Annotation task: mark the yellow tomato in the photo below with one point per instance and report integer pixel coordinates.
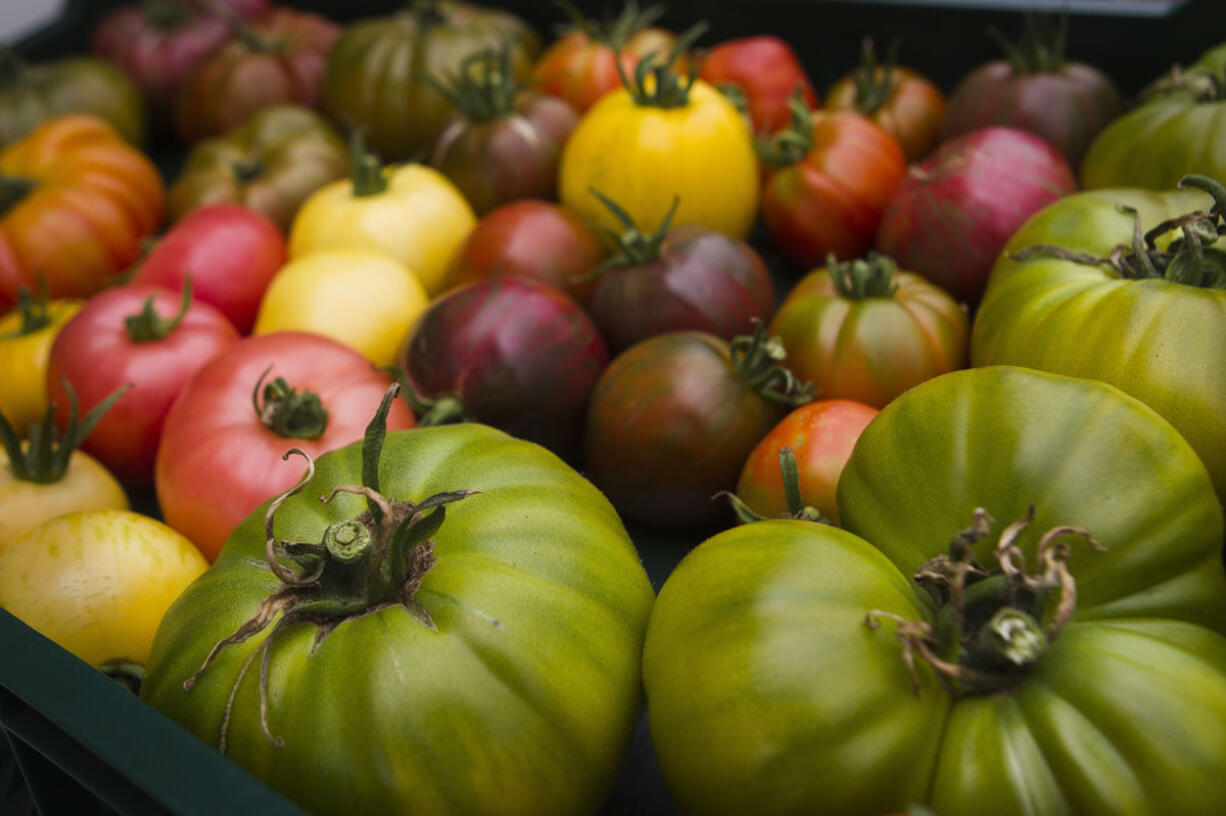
(23, 362)
(85, 485)
(360, 297)
(97, 582)
(419, 218)
(641, 156)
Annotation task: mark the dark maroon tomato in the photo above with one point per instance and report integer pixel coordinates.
(686, 278)
(531, 239)
(674, 418)
(1035, 89)
(508, 352)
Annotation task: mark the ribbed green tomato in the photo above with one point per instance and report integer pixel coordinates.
(769, 693)
(523, 697)
(1161, 341)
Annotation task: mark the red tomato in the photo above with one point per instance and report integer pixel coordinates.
(220, 458)
(822, 435)
(114, 341)
(231, 254)
(767, 70)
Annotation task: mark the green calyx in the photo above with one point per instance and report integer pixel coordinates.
(147, 327)
(614, 33)
(756, 358)
(288, 412)
(992, 625)
(789, 471)
(1190, 259)
(1039, 49)
(33, 310)
(245, 172)
(789, 145)
(12, 190)
(634, 247)
(167, 15)
(655, 83)
(439, 409)
(365, 168)
(373, 561)
(1201, 85)
(863, 278)
(45, 457)
(484, 87)
(875, 84)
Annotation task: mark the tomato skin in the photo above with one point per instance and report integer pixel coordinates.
(912, 110)
(85, 485)
(217, 461)
(32, 94)
(822, 434)
(97, 582)
(582, 70)
(231, 254)
(94, 353)
(540, 602)
(642, 156)
(533, 239)
(833, 199)
(23, 359)
(768, 71)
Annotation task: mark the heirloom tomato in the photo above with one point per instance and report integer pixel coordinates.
(481, 662)
(1071, 663)
(862, 330)
(832, 175)
(411, 212)
(223, 439)
(766, 71)
(673, 418)
(376, 73)
(271, 164)
(26, 334)
(661, 138)
(360, 297)
(149, 337)
(75, 203)
(1082, 291)
(97, 582)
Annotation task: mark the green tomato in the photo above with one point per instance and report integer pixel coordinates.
(32, 94)
(503, 677)
(769, 692)
(1161, 341)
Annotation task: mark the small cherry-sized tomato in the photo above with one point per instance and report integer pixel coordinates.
(230, 252)
(26, 334)
(119, 337)
(767, 71)
(97, 582)
(822, 435)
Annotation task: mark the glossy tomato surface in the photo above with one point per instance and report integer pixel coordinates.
(767, 71)
(903, 101)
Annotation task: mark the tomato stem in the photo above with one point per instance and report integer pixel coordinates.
(875, 83)
(667, 89)
(33, 310)
(484, 87)
(792, 144)
(287, 411)
(863, 279)
(147, 327)
(634, 246)
(365, 168)
(166, 15)
(44, 459)
(1039, 49)
(756, 359)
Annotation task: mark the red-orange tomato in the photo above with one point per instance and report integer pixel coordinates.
(822, 434)
(831, 200)
(905, 103)
(768, 72)
(581, 69)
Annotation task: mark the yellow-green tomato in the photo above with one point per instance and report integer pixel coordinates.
(642, 156)
(97, 582)
(85, 485)
(411, 212)
(25, 345)
(363, 298)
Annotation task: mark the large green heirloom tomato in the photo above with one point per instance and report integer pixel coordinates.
(489, 665)
(796, 668)
(1157, 331)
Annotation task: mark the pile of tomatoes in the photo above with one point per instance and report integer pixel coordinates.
(434, 309)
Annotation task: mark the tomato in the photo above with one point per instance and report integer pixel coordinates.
(864, 331)
(677, 279)
(510, 635)
(146, 336)
(833, 175)
(97, 582)
(229, 252)
(643, 148)
(505, 141)
(534, 239)
(270, 164)
(772, 690)
(821, 434)
(583, 65)
(410, 212)
(957, 208)
(904, 102)
(673, 418)
(224, 437)
(1159, 339)
(32, 94)
(1066, 103)
(375, 77)
(26, 335)
(75, 203)
(767, 72)
(274, 60)
(360, 297)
